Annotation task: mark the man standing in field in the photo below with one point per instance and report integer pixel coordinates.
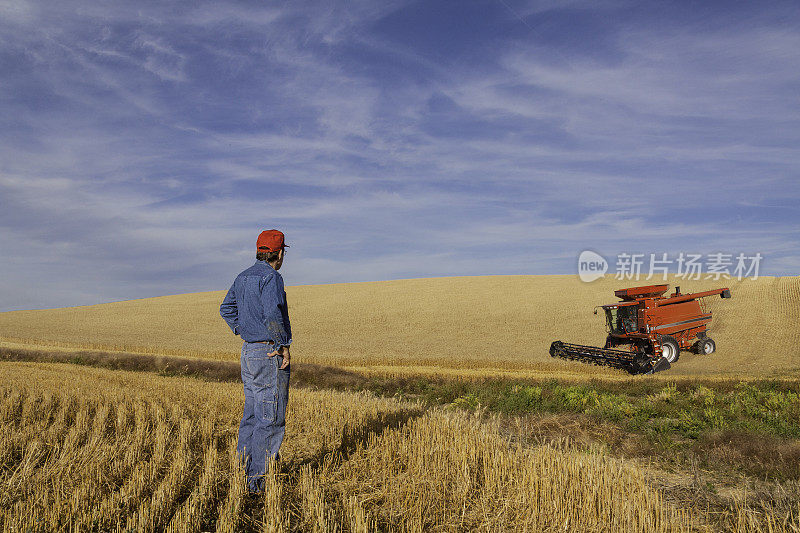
(255, 308)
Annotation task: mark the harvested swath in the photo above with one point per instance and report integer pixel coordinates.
(353, 462)
(108, 450)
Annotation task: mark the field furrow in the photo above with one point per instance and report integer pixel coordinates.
(190, 516)
(230, 516)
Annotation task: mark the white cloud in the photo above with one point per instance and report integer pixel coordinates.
(161, 59)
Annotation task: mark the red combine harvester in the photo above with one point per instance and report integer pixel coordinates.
(647, 331)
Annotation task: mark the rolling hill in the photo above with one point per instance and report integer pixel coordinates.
(465, 322)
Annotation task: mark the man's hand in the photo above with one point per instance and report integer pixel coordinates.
(284, 351)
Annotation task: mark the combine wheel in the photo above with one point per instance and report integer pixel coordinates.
(706, 346)
(670, 349)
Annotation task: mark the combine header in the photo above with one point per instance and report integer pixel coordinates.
(647, 331)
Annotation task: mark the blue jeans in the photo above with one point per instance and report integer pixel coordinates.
(266, 393)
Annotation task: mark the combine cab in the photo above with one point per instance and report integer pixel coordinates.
(647, 330)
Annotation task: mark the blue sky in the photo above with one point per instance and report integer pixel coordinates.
(144, 145)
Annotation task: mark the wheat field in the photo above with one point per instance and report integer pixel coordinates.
(93, 449)
(89, 449)
(464, 322)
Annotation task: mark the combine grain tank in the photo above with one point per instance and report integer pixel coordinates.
(647, 330)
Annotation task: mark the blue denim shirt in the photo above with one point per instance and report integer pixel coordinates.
(255, 307)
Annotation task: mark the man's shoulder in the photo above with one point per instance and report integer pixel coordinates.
(258, 269)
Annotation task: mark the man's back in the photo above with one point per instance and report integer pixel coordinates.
(255, 307)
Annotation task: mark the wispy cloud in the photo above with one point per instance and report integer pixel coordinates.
(143, 146)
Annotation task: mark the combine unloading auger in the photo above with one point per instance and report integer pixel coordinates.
(647, 331)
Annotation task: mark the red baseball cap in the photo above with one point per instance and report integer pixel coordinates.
(270, 240)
